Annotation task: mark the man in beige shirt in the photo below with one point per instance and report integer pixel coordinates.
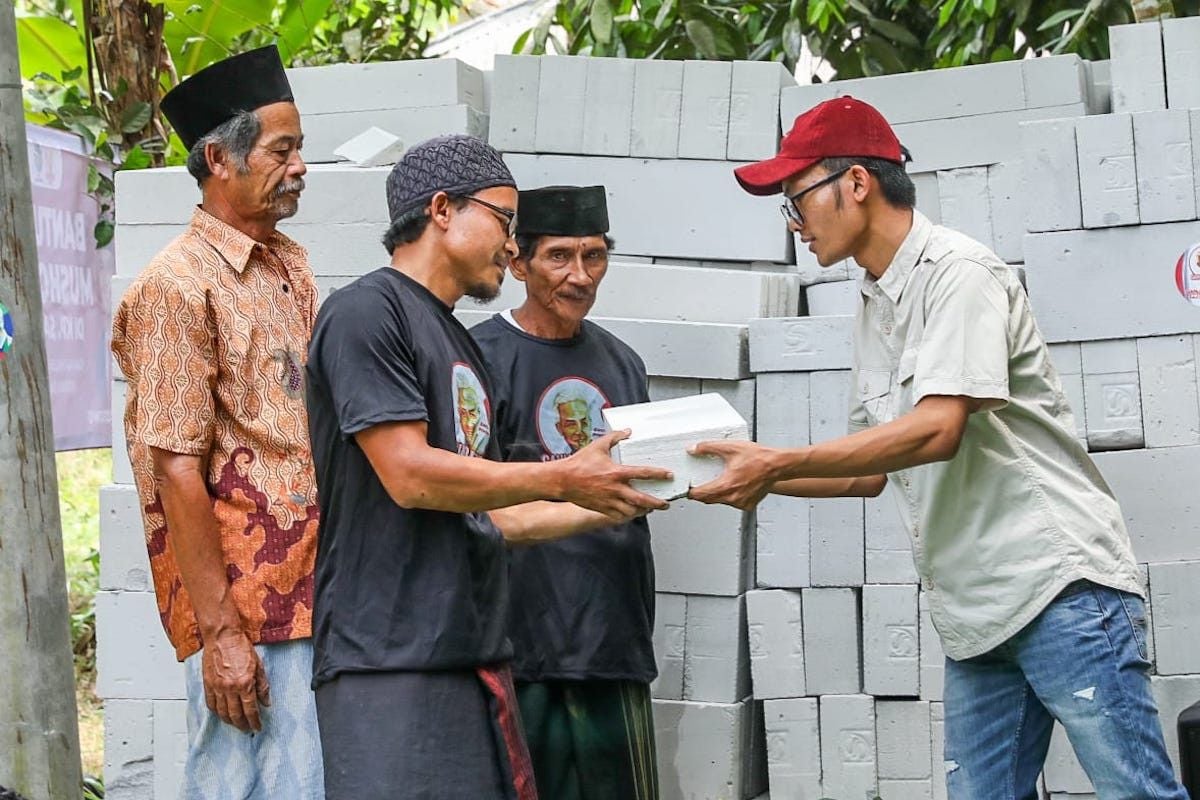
(1018, 541)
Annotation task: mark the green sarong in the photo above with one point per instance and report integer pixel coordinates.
(590, 740)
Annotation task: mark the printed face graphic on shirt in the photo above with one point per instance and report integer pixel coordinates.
(473, 412)
(569, 417)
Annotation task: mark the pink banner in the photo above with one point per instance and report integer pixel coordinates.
(76, 281)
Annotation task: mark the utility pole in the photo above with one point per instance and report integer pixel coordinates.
(39, 726)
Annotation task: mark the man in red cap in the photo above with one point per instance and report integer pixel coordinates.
(1019, 544)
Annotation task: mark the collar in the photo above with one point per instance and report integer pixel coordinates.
(895, 277)
(233, 245)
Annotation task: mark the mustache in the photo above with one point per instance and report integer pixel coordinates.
(287, 186)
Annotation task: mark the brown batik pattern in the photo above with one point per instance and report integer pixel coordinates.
(212, 338)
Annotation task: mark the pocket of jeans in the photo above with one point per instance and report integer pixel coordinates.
(1135, 612)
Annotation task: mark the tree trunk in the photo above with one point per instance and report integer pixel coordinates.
(39, 733)
(1149, 10)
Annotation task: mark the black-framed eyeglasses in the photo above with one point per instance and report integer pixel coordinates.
(510, 216)
(791, 204)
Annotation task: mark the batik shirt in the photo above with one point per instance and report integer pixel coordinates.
(212, 339)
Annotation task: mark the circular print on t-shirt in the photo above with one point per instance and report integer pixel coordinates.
(569, 417)
(6, 332)
(1187, 275)
(472, 411)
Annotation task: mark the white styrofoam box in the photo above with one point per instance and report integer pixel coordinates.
(324, 134)
(670, 645)
(782, 542)
(122, 470)
(848, 766)
(1107, 170)
(835, 542)
(413, 84)
(1137, 67)
(1112, 395)
(933, 658)
(1173, 694)
(129, 749)
(1008, 219)
(702, 549)
(1068, 363)
(965, 206)
(709, 750)
(1050, 163)
(1176, 617)
(781, 409)
(134, 660)
(929, 201)
(973, 141)
(891, 643)
(902, 727)
(754, 109)
(125, 565)
(832, 299)
(1181, 56)
(1054, 80)
(833, 662)
(678, 228)
(776, 632)
(941, 94)
(716, 662)
(801, 344)
(1163, 150)
(889, 557)
(937, 729)
(1108, 284)
(704, 115)
(663, 431)
(657, 99)
(793, 747)
(740, 394)
(1062, 771)
(1155, 493)
(374, 147)
(608, 116)
(795, 100)
(170, 746)
(515, 82)
(828, 405)
(562, 104)
(667, 388)
(1170, 403)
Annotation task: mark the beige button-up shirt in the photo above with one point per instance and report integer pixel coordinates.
(1021, 511)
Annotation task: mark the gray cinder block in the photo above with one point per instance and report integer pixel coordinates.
(965, 206)
(170, 746)
(933, 658)
(902, 727)
(1107, 171)
(1181, 54)
(716, 665)
(781, 409)
(515, 86)
(125, 565)
(1154, 490)
(608, 116)
(889, 557)
(782, 542)
(776, 633)
(801, 344)
(1054, 80)
(134, 660)
(657, 103)
(562, 104)
(1176, 617)
(1008, 222)
(848, 767)
(754, 109)
(834, 298)
(1163, 150)
(1170, 403)
(670, 639)
(793, 747)
(702, 549)
(891, 642)
(1137, 67)
(1050, 163)
(829, 403)
(704, 115)
(710, 750)
(129, 749)
(324, 134)
(835, 542)
(833, 663)
(1112, 395)
(338, 88)
(795, 100)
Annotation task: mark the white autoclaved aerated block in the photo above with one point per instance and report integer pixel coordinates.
(340, 88)
(835, 542)
(657, 100)
(1181, 54)
(562, 104)
(670, 645)
(835, 298)
(134, 660)
(129, 749)
(1138, 82)
(709, 750)
(942, 94)
(702, 549)
(1050, 166)
(782, 542)
(1154, 489)
(793, 747)
(374, 147)
(1170, 403)
(740, 394)
(324, 134)
(811, 272)
(795, 100)
(832, 664)
(754, 109)
(937, 728)
(515, 82)
(848, 767)
(124, 565)
(704, 115)
(906, 788)
(829, 403)
(122, 470)
(902, 727)
(170, 746)
(1163, 151)
(889, 556)
(801, 344)
(1176, 617)
(1112, 395)
(1054, 80)
(782, 409)
(716, 663)
(929, 201)
(891, 642)
(933, 658)
(1004, 199)
(1107, 170)
(662, 432)
(776, 635)
(608, 116)
(667, 388)
(965, 207)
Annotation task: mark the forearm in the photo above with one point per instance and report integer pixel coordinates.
(544, 521)
(869, 486)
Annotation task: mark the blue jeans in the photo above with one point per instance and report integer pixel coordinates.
(1083, 662)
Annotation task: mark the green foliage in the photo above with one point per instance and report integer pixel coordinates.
(81, 473)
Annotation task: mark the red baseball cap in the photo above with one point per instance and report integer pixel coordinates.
(836, 128)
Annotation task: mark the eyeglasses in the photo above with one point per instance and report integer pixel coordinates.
(791, 204)
(510, 216)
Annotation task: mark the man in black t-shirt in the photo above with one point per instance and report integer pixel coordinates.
(411, 658)
(582, 609)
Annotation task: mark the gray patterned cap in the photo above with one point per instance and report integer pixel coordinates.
(455, 164)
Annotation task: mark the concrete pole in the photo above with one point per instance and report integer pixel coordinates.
(39, 727)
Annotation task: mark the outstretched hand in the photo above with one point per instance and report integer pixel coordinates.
(746, 479)
(592, 480)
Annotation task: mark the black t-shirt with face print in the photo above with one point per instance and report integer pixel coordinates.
(399, 589)
(583, 607)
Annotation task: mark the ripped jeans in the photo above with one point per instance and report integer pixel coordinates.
(1083, 662)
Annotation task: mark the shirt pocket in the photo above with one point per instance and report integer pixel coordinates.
(906, 371)
(875, 394)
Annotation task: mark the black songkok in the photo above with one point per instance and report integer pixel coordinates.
(563, 211)
(220, 92)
